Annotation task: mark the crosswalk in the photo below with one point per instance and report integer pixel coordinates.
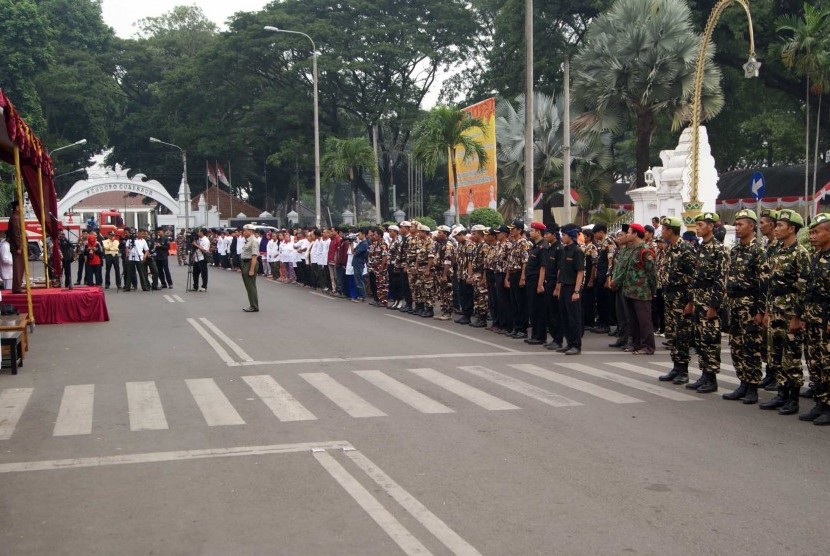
(357, 394)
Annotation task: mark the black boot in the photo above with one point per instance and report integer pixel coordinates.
(751, 395)
(768, 380)
(479, 323)
(817, 411)
(737, 393)
(808, 392)
(711, 384)
(779, 400)
(683, 376)
(419, 308)
(672, 374)
(791, 406)
(463, 320)
(698, 383)
(824, 419)
(427, 312)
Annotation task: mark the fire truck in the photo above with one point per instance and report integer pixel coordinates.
(34, 235)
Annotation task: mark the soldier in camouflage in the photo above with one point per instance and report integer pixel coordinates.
(680, 265)
(708, 285)
(477, 278)
(767, 228)
(746, 280)
(442, 262)
(638, 282)
(412, 247)
(816, 318)
(464, 255)
(381, 268)
(395, 287)
(516, 261)
(789, 272)
(423, 280)
(490, 272)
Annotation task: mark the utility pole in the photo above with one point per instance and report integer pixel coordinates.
(528, 110)
(566, 144)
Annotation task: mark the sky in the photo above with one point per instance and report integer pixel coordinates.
(121, 14)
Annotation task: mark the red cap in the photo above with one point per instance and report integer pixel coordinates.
(538, 226)
(637, 228)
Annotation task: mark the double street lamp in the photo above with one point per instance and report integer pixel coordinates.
(317, 209)
(185, 187)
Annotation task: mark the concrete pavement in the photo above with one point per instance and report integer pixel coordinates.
(319, 426)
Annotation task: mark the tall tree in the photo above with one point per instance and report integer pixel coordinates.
(347, 160)
(441, 133)
(638, 62)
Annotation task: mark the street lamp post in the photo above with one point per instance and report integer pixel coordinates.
(185, 186)
(75, 144)
(317, 209)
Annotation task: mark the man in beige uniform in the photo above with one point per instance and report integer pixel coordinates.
(250, 251)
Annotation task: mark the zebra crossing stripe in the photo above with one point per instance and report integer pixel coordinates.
(169, 299)
(279, 401)
(146, 412)
(344, 398)
(721, 377)
(630, 382)
(404, 393)
(462, 390)
(178, 298)
(516, 385)
(12, 403)
(215, 407)
(75, 413)
(576, 384)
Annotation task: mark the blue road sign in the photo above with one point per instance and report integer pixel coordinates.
(757, 184)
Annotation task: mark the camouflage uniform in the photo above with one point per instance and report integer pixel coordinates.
(638, 284)
(680, 265)
(371, 268)
(443, 257)
(466, 294)
(817, 320)
(490, 271)
(381, 253)
(412, 247)
(394, 253)
(708, 287)
(480, 299)
(789, 272)
(423, 284)
(516, 259)
(745, 291)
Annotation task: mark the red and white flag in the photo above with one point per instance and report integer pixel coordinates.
(211, 174)
(220, 174)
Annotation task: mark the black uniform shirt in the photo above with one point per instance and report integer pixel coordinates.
(571, 261)
(537, 259)
(552, 267)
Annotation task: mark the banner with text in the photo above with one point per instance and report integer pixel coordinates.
(477, 189)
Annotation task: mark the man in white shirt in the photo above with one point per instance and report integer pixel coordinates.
(201, 248)
(222, 249)
(6, 262)
(301, 246)
(273, 256)
(137, 252)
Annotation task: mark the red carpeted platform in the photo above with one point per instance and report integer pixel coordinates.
(61, 305)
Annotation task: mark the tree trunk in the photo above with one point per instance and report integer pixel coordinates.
(807, 151)
(646, 125)
(455, 187)
(818, 127)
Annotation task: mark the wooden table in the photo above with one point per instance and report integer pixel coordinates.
(16, 323)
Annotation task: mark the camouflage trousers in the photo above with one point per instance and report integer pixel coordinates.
(678, 327)
(425, 287)
(707, 339)
(745, 339)
(817, 352)
(382, 285)
(481, 302)
(785, 351)
(414, 287)
(443, 294)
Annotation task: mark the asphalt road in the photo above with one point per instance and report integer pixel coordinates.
(319, 426)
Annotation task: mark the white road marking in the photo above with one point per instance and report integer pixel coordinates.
(214, 405)
(75, 413)
(576, 384)
(721, 377)
(179, 299)
(220, 351)
(179, 455)
(222, 336)
(398, 357)
(529, 390)
(445, 331)
(463, 390)
(630, 382)
(344, 398)
(12, 403)
(390, 525)
(169, 299)
(429, 520)
(146, 412)
(322, 295)
(277, 398)
(404, 393)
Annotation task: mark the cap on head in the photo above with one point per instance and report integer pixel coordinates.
(478, 228)
(249, 227)
(423, 228)
(445, 229)
(787, 215)
(503, 229)
(746, 213)
(538, 226)
(394, 228)
(517, 223)
(820, 218)
(671, 222)
(405, 224)
(708, 217)
(637, 228)
(769, 213)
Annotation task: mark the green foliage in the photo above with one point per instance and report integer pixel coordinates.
(638, 61)
(486, 217)
(8, 191)
(607, 216)
(428, 221)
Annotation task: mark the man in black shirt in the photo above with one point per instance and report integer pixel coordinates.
(162, 251)
(551, 303)
(569, 289)
(535, 284)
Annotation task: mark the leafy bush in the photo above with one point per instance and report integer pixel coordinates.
(429, 221)
(487, 217)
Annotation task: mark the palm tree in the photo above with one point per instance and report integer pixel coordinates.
(805, 49)
(547, 148)
(348, 159)
(608, 216)
(442, 132)
(638, 62)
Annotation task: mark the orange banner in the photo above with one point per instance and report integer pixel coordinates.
(477, 189)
